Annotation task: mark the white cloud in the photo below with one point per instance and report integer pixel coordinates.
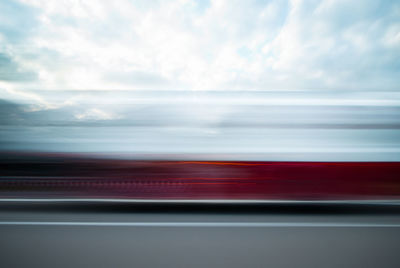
(195, 45)
(95, 114)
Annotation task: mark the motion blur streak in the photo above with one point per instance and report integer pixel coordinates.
(208, 224)
(63, 176)
(222, 126)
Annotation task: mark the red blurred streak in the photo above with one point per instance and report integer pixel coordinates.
(71, 177)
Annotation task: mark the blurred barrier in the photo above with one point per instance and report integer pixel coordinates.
(38, 176)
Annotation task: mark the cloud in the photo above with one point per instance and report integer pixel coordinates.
(143, 79)
(95, 114)
(11, 71)
(200, 45)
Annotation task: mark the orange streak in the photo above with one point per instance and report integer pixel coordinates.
(220, 163)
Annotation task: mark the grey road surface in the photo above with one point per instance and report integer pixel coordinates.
(196, 236)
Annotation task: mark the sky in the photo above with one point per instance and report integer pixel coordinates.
(198, 45)
(199, 64)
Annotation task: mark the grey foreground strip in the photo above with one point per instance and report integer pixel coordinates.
(204, 224)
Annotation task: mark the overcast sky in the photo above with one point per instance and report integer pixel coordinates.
(162, 74)
(197, 45)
